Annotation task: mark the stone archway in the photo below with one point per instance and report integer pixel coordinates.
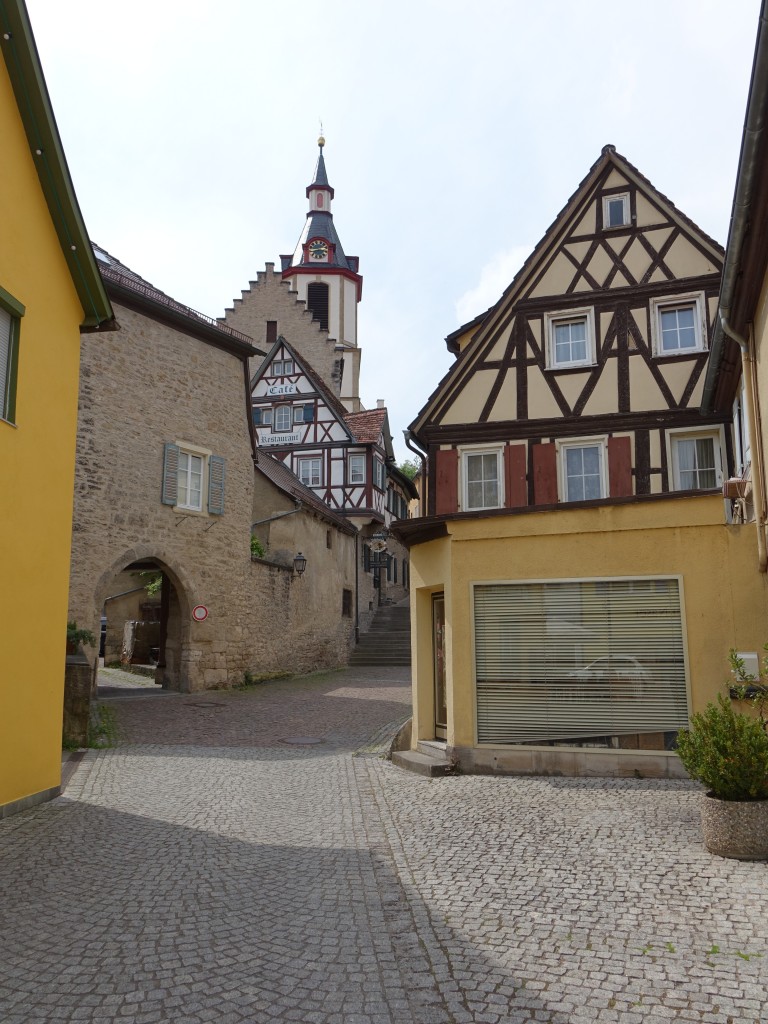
(176, 599)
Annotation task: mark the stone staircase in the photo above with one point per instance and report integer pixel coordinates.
(429, 759)
(388, 641)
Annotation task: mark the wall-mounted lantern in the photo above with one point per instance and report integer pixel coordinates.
(299, 564)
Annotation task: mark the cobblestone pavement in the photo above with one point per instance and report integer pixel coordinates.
(210, 870)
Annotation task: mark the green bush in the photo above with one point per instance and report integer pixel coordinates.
(727, 751)
(257, 548)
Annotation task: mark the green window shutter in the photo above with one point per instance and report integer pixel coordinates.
(170, 474)
(309, 413)
(216, 485)
(257, 417)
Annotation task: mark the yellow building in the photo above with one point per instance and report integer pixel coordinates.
(576, 581)
(50, 291)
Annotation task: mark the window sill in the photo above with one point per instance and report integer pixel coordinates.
(9, 423)
(570, 367)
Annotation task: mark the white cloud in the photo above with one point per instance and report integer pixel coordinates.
(494, 278)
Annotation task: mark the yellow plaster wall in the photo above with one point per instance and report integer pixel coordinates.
(726, 601)
(37, 457)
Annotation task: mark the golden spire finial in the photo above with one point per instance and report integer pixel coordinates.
(321, 140)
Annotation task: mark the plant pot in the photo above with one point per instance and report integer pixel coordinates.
(735, 828)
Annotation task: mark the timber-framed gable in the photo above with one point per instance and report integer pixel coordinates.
(584, 381)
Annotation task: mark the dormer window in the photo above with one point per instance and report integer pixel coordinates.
(616, 211)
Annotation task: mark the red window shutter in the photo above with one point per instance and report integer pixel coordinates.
(515, 484)
(447, 482)
(544, 474)
(619, 467)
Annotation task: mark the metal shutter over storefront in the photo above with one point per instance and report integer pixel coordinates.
(579, 660)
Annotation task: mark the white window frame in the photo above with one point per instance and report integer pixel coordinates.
(601, 443)
(266, 417)
(351, 476)
(310, 460)
(742, 448)
(686, 434)
(282, 367)
(276, 428)
(552, 320)
(464, 455)
(670, 302)
(194, 452)
(624, 197)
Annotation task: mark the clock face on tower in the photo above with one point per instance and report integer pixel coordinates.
(318, 250)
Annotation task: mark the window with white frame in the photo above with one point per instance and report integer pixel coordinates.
(616, 210)
(582, 469)
(483, 484)
(570, 338)
(283, 418)
(311, 471)
(742, 451)
(190, 481)
(696, 460)
(677, 325)
(193, 479)
(379, 474)
(282, 367)
(356, 469)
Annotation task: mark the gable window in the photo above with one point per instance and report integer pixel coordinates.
(303, 413)
(379, 474)
(262, 417)
(570, 338)
(677, 325)
(482, 479)
(356, 469)
(282, 367)
(582, 470)
(11, 312)
(616, 211)
(696, 461)
(189, 474)
(311, 472)
(283, 418)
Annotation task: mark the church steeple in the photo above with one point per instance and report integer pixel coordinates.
(327, 279)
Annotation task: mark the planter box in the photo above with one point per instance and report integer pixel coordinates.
(735, 828)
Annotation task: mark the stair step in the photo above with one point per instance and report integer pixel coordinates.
(422, 764)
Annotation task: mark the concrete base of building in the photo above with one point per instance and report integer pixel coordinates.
(6, 810)
(582, 762)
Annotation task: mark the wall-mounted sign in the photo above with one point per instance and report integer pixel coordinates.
(282, 389)
(199, 613)
(266, 438)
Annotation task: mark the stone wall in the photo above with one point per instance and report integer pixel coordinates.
(143, 386)
(269, 297)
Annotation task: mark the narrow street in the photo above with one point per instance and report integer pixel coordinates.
(250, 858)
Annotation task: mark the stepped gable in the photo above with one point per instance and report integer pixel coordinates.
(121, 280)
(282, 477)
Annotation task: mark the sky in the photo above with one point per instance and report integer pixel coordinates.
(455, 132)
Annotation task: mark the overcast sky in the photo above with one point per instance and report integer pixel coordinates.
(455, 132)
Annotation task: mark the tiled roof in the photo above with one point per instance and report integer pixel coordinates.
(367, 426)
(282, 477)
(112, 270)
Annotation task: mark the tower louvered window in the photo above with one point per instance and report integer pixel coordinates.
(317, 303)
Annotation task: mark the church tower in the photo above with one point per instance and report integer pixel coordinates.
(328, 280)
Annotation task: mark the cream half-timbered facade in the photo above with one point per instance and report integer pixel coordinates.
(584, 381)
(343, 457)
(569, 610)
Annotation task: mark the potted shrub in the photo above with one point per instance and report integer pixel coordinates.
(727, 751)
(76, 636)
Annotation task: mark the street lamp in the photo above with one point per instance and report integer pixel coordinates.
(299, 564)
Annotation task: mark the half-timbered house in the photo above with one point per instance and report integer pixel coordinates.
(576, 624)
(346, 458)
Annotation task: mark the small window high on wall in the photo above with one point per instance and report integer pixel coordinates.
(580, 663)
(317, 303)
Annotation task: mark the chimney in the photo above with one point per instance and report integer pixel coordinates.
(380, 403)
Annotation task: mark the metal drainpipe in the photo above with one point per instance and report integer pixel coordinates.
(357, 588)
(747, 368)
(409, 444)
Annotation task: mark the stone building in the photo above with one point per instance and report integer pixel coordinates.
(164, 478)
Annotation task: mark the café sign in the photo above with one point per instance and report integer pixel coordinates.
(282, 389)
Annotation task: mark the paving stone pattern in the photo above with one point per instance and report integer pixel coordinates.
(209, 870)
